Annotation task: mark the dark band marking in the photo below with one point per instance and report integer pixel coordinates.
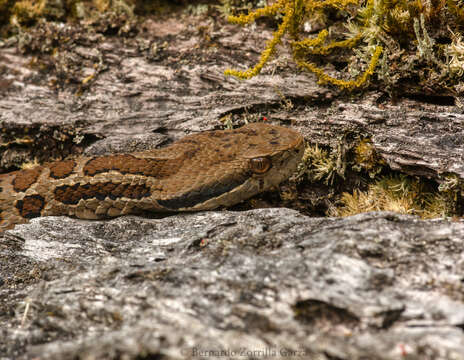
(206, 192)
(128, 164)
(61, 169)
(273, 132)
(31, 206)
(71, 194)
(25, 178)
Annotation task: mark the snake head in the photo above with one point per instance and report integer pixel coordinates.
(238, 164)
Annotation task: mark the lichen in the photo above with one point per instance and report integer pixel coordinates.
(295, 13)
(410, 39)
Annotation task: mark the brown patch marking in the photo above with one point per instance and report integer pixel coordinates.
(189, 154)
(249, 132)
(216, 134)
(30, 206)
(25, 178)
(61, 169)
(71, 194)
(128, 164)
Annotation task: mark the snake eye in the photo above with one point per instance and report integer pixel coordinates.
(260, 165)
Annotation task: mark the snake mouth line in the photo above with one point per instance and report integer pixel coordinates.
(200, 196)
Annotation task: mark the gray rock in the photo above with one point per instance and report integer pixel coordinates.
(263, 282)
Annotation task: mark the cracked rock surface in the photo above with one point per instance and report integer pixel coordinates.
(375, 285)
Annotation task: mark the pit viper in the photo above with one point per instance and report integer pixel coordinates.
(202, 171)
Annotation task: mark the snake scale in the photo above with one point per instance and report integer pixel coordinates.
(202, 171)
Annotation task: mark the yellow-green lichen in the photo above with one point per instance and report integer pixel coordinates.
(295, 13)
(410, 39)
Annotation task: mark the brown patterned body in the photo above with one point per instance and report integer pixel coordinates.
(200, 172)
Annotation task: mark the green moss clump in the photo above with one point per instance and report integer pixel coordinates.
(366, 158)
(400, 193)
(26, 13)
(416, 42)
(318, 164)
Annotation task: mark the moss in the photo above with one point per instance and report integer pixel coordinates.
(400, 193)
(410, 40)
(366, 158)
(318, 164)
(323, 165)
(357, 180)
(228, 7)
(455, 52)
(25, 13)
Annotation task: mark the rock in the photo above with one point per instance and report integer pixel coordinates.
(374, 285)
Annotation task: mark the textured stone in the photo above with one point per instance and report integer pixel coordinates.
(375, 285)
